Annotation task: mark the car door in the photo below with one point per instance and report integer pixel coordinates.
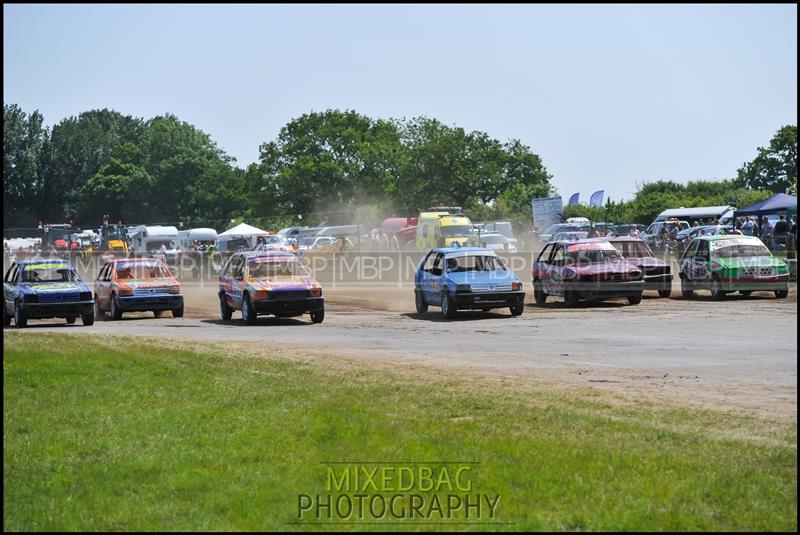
(237, 281)
(701, 270)
(226, 280)
(10, 287)
(102, 290)
(434, 279)
(554, 283)
(540, 265)
(422, 277)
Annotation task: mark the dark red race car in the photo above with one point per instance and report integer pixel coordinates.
(656, 272)
(591, 270)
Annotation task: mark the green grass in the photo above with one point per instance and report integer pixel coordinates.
(121, 434)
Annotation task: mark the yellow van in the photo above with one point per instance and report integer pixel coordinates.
(440, 229)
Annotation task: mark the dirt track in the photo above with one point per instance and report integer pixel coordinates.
(739, 354)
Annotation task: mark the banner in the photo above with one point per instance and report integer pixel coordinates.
(574, 198)
(546, 212)
(597, 198)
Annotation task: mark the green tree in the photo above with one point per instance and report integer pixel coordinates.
(24, 139)
(775, 167)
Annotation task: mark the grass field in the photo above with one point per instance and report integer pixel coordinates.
(113, 434)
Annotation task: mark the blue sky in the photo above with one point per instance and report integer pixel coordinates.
(608, 96)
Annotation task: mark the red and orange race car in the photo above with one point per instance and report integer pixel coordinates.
(137, 285)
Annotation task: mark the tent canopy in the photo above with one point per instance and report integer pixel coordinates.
(243, 229)
(778, 203)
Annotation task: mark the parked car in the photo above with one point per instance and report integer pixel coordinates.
(651, 235)
(586, 269)
(496, 242)
(45, 288)
(732, 263)
(268, 282)
(137, 285)
(466, 278)
(320, 243)
(625, 230)
(570, 236)
(656, 272)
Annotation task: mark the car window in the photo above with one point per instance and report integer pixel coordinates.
(558, 257)
(437, 264)
(702, 249)
(544, 256)
(428, 263)
(11, 274)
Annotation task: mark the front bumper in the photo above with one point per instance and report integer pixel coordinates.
(150, 302)
(756, 284)
(289, 306)
(57, 310)
(606, 290)
(489, 299)
(658, 282)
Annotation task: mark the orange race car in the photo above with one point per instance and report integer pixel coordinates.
(137, 285)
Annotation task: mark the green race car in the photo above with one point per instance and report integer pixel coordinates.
(726, 263)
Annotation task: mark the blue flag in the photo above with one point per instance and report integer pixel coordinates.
(574, 198)
(597, 198)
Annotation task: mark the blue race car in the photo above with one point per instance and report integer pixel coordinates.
(472, 278)
(45, 288)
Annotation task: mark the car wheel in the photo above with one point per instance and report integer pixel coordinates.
(317, 315)
(177, 312)
(419, 301)
(539, 296)
(666, 292)
(157, 313)
(225, 312)
(716, 288)
(686, 289)
(116, 313)
(248, 315)
(517, 309)
(6, 316)
(449, 309)
(570, 298)
(20, 320)
(71, 320)
(781, 294)
(745, 292)
(635, 299)
(88, 319)
(97, 312)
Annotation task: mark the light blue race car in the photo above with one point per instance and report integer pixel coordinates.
(467, 278)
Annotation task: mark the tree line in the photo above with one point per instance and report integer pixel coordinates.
(335, 165)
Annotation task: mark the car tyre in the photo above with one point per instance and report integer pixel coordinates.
(248, 316)
(225, 312)
(97, 312)
(177, 312)
(517, 309)
(686, 289)
(157, 313)
(539, 296)
(635, 299)
(71, 320)
(419, 301)
(6, 317)
(716, 288)
(20, 320)
(115, 312)
(317, 315)
(781, 294)
(745, 292)
(665, 292)
(449, 309)
(88, 319)
(570, 298)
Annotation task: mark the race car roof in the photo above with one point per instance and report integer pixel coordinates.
(471, 250)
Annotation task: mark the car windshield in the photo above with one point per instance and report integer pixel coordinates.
(739, 250)
(632, 248)
(464, 263)
(267, 269)
(552, 229)
(451, 231)
(138, 271)
(49, 273)
(496, 239)
(236, 244)
(593, 256)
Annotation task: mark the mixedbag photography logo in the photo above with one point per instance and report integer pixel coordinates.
(398, 492)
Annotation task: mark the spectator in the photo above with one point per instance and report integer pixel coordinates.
(592, 231)
(781, 227)
(696, 223)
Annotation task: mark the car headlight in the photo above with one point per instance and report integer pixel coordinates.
(175, 289)
(316, 291)
(31, 298)
(86, 296)
(516, 286)
(261, 294)
(125, 291)
(463, 288)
